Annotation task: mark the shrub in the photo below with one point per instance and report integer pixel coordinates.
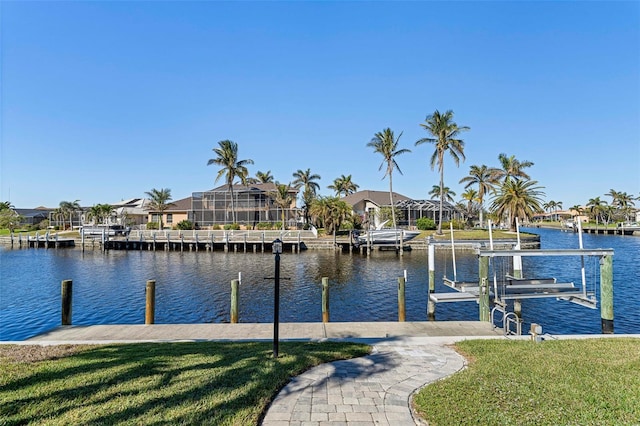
(185, 225)
(457, 224)
(152, 225)
(424, 224)
(231, 227)
(263, 225)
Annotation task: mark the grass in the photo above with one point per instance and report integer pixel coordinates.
(577, 382)
(169, 383)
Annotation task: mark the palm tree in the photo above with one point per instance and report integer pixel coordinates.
(473, 202)
(486, 178)
(264, 177)
(447, 193)
(159, 201)
(231, 167)
(445, 138)
(518, 199)
(596, 207)
(330, 212)
(386, 144)
(511, 167)
(5, 205)
(282, 198)
(95, 213)
(305, 179)
(344, 185)
(68, 208)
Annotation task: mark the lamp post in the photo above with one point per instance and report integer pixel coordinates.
(277, 249)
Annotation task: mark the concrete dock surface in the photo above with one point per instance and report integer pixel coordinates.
(261, 331)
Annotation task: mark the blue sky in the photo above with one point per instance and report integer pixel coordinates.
(103, 101)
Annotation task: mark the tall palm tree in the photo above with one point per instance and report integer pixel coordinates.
(68, 209)
(344, 185)
(386, 144)
(231, 167)
(446, 192)
(596, 208)
(307, 180)
(159, 201)
(445, 138)
(512, 167)
(517, 199)
(486, 178)
(282, 198)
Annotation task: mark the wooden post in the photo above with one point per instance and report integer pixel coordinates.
(235, 284)
(606, 294)
(325, 299)
(67, 297)
(150, 309)
(483, 282)
(401, 304)
(431, 305)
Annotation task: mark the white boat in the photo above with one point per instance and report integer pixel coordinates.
(387, 236)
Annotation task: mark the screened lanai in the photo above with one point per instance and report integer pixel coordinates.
(415, 209)
(252, 203)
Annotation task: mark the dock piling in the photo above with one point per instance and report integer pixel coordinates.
(235, 284)
(325, 299)
(67, 298)
(150, 308)
(606, 294)
(401, 299)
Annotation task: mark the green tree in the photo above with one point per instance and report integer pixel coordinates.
(472, 203)
(444, 192)
(68, 209)
(386, 144)
(9, 219)
(5, 205)
(264, 177)
(306, 180)
(282, 198)
(330, 212)
(486, 178)
(596, 208)
(517, 199)
(344, 186)
(512, 167)
(231, 167)
(445, 138)
(160, 201)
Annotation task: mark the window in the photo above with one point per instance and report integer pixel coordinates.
(169, 217)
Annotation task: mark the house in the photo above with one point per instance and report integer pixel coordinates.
(176, 212)
(367, 204)
(33, 216)
(252, 203)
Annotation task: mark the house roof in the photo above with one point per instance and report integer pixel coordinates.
(180, 205)
(32, 212)
(380, 198)
(262, 187)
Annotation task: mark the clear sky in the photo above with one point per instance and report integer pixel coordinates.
(103, 101)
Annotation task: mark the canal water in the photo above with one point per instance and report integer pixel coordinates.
(194, 287)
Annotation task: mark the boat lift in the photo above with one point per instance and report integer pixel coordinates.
(515, 287)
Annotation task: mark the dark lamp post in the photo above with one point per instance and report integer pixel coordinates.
(277, 250)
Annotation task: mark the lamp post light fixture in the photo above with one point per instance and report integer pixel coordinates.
(277, 250)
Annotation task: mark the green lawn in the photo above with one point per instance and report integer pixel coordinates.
(563, 382)
(171, 383)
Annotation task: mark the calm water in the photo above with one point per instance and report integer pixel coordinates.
(109, 288)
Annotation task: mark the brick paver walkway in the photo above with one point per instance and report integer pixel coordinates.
(372, 390)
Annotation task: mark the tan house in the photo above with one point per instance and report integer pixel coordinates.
(178, 211)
